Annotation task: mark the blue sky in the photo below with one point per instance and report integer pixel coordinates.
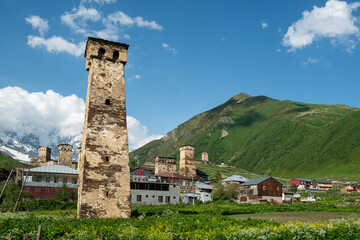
(186, 57)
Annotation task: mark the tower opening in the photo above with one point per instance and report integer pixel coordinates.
(101, 52)
(107, 102)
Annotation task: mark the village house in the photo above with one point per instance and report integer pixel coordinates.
(236, 179)
(302, 183)
(258, 189)
(351, 188)
(43, 182)
(146, 189)
(323, 185)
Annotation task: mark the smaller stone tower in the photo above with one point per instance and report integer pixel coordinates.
(205, 157)
(187, 161)
(165, 164)
(44, 155)
(65, 153)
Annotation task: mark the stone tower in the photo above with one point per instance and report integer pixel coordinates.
(187, 161)
(44, 155)
(205, 156)
(104, 174)
(65, 154)
(165, 164)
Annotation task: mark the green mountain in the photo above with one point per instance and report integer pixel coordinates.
(264, 135)
(7, 162)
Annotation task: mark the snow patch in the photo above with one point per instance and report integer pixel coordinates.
(15, 154)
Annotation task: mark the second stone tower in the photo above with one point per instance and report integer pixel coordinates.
(104, 175)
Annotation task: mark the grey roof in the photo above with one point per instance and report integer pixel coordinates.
(45, 184)
(236, 178)
(54, 169)
(304, 179)
(254, 181)
(201, 185)
(322, 181)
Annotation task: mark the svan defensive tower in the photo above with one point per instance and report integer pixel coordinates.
(104, 175)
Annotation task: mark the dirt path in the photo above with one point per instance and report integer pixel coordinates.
(297, 216)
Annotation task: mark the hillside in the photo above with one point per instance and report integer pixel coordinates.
(7, 162)
(265, 135)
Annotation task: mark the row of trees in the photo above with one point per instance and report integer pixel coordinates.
(229, 192)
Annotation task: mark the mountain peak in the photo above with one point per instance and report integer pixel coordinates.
(241, 97)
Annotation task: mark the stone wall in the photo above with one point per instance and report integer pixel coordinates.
(187, 161)
(165, 164)
(104, 174)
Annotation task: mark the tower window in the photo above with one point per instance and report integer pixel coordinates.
(106, 193)
(115, 55)
(107, 159)
(101, 52)
(107, 102)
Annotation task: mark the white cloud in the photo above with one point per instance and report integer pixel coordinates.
(334, 20)
(264, 25)
(40, 113)
(123, 19)
(38, 23)
(138, 133)
(77, 19)
(99, 1)
(169, 48)
(57, 44)
(137, 76)
(311, 60)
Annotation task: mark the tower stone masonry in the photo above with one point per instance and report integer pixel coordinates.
(44, 155)
(187, 161)
(205, 156)
(165, 164)
(104, 174)
(65, 154)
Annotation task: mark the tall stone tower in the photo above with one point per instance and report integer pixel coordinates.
(165, 164)
(65, 154)
(104, 174)
(44, 155)
(187, 161)
(205, 156)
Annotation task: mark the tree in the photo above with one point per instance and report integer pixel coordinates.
(293, 188)
(231, 191)
(74, 195)
(62, 193)
(12, 191)
(219, 192)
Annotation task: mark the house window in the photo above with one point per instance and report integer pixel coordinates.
(38, 178)
(74, 181)
(65, 180)
(278, 189)
(27, 189)
(36, 190)
(46, 190)
(55, 190)
(153, 196)
(160, 199)
(56, 179)
(138, 198)
(174, 197)
(264, 187)
(167, 198)
(47, 179)
(147, 196)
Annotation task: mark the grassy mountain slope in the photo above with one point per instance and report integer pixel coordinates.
(7, 162)
(261, 134)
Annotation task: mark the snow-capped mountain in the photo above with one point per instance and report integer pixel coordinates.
(25, 147)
